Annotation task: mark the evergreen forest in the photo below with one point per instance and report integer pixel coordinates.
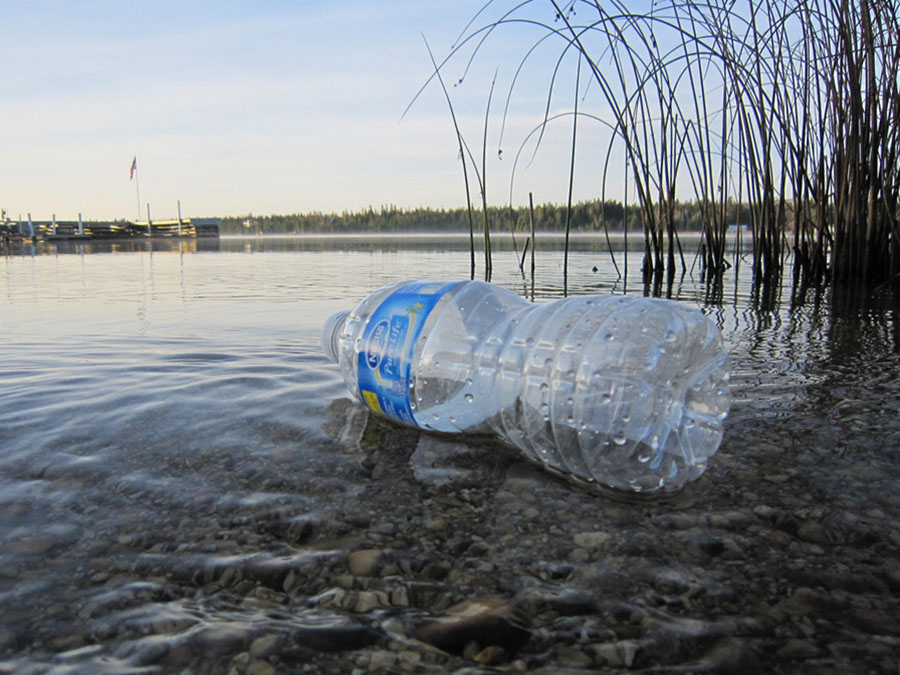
(589, 216)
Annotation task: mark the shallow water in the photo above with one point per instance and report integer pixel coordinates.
(183, 476)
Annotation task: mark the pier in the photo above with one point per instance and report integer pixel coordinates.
(83, 230)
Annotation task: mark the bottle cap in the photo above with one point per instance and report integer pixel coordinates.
(331, 332)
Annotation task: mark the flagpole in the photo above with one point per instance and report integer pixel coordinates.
(137, 186)
(133, 174)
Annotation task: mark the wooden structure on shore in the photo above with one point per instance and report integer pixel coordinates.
(68, 230)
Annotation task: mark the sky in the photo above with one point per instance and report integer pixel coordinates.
(270, 107)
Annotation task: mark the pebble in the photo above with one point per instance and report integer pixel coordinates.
(592, 540)
(366, 563)
(491, 655)
(337, 635)
(579, 555)
(36, 544)
(560, 601)
(814, 533)
(265, 646)
(409, 660)
(616, 654)
(382, 660)
(731, 656)
(796, 648)
(258, 667)
(436, 525)
(471, 649)
(473, 620)
(367, 601)
(573, 656)
(400, 597)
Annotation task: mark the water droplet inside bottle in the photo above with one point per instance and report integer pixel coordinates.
(529, 341)
(468, 381)
(469, 398)
(619, 439)
(570, 401)
(545, 387)
(435, 416)
(609, 337)
(669, 336)
(452, 419)
(605, 399)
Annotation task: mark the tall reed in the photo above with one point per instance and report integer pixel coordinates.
(791, 108)
(462, 157)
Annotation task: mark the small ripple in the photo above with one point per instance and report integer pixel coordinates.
(200, 357)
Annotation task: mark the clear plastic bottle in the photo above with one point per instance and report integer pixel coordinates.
(626, 392)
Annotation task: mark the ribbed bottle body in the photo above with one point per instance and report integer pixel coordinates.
(628, 392)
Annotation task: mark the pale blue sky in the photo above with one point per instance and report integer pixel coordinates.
(264, 107)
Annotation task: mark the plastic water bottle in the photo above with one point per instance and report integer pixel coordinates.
(625, 392)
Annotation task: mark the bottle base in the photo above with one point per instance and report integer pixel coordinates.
(664, 494)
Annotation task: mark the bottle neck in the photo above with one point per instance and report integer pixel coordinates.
(331, 333)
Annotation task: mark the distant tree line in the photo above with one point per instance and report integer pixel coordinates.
(589, 216)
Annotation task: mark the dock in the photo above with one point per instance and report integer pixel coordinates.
(92, 230)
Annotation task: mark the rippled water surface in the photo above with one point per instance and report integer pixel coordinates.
(184, 482)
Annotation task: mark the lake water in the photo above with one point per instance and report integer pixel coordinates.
(185, 485)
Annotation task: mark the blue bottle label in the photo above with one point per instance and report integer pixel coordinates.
(387, 347)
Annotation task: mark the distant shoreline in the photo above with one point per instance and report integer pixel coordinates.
(581, 234)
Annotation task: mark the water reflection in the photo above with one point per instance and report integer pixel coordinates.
(130, 245)
(383, 242)
(441, 461)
